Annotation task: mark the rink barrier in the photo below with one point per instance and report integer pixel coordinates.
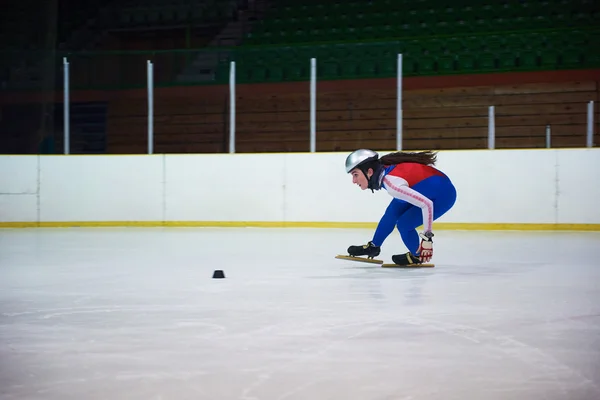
(299, 224)
(543, 190)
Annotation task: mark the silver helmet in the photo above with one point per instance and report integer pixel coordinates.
(359, 157)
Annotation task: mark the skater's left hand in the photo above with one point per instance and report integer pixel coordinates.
(425, 250)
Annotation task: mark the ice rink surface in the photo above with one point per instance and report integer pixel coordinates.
(107, 313)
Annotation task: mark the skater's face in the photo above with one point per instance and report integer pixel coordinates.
(358, 178)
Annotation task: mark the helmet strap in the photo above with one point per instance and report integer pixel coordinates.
(373, 181)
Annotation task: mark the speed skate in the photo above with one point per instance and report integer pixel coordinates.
(380, 262)
(424, 265)
(360, 259)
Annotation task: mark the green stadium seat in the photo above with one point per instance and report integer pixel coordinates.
(549, 58)
(410, 66)
(528, 60)
(328, 70)
(367, 68)
(486, 62)
(296, 71)
(507, 60)
(570, 58)
(446, 64)
(452, 45)
(275, 73)
(465, 62)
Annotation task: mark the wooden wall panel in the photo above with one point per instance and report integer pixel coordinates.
(181, 125)
(279, 121)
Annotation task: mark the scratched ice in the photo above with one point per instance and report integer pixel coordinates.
(134, 314)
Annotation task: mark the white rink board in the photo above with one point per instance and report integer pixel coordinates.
(245, 187)
(18, 174)
(18, 188)
(319, 189)
(101, 188)
(502, 186)
(18, 208)
(579, 186)
(494, 187)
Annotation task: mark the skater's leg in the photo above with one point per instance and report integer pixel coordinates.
(443, 200)
(384, 228)
(443, 196)
(387, 223)
(407, 226)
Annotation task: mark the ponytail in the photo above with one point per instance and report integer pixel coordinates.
(423, 157)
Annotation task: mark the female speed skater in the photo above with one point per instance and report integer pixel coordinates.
(421, 194)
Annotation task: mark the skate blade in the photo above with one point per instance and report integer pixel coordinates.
(360, 259)
(408, 266)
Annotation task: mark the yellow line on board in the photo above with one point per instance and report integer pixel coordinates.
(299, 224)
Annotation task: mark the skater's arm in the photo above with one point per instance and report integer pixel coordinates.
(399, 188)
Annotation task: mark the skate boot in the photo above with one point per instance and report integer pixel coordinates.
(406, 259)
(369, 250)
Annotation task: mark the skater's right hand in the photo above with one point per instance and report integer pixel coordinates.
(425, 250)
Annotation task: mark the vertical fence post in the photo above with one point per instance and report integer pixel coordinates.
(313, 105)
(232, 108)
(66, 107)
(399, 116)
(491, 128)
(590, 124)
(548, 137)
(150, 74)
